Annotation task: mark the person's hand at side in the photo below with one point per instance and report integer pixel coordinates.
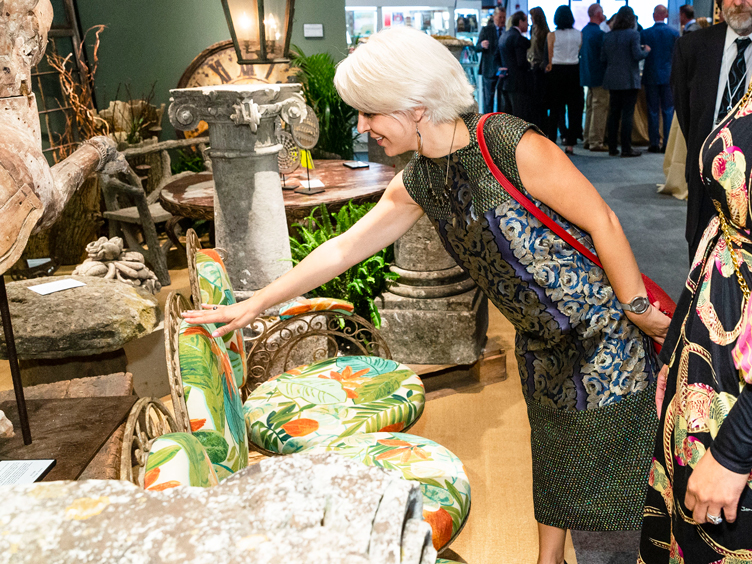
(713, 488)
(654, 323)
(485, 44)
(660, 389)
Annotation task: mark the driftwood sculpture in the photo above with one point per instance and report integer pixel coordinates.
(32, 194)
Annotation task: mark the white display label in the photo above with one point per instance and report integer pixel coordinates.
(57, 286)
(14, 472)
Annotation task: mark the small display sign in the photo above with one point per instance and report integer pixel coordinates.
(313, 31)
(17, 472)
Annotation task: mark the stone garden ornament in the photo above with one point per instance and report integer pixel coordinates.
(6, 427)
(107, 259)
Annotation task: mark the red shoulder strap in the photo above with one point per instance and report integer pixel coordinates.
(524, 201)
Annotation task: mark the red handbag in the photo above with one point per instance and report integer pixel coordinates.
(655, 292)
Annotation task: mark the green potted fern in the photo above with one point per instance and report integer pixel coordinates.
(362, 283)
(336, 119)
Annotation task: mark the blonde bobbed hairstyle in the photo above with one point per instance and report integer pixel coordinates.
(400, 69)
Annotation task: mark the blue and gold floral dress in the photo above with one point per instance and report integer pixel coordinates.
(708, 406)
(587, 372)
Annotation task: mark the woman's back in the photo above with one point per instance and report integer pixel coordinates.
(567, 47)
(622, 53)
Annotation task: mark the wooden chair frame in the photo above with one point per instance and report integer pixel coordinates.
(149, 419)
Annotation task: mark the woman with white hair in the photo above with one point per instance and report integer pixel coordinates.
(587, 367)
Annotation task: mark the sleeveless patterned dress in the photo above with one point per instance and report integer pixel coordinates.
(587, 372)
(707, 405)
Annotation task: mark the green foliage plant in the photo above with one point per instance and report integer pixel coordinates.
(336, 119)
(187, 160)
(360, 284)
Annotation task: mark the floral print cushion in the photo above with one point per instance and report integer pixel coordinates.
(212, 398)
(331, 399)
(303, 305)
(178, 459)
(216, 289)
(445, 487)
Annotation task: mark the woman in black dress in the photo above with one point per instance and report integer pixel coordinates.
(699, 504)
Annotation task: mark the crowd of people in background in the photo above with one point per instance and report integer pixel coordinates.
(543, 79)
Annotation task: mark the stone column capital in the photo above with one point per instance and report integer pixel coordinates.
(239, 104)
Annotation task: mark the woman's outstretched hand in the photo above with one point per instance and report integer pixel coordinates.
(234, 316)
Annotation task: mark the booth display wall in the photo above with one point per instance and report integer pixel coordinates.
(147, 40)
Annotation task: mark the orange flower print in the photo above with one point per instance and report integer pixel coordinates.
(403, 450)
(164, 486)
(441, 523)
(196, 424)
(150, 477)
(301, 427)
(393, 428)
(350, 380)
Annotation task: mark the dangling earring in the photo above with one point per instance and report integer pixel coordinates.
(420, 140)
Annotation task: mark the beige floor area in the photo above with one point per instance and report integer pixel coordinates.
(487, 428)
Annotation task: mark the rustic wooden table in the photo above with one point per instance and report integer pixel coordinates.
(70, 430)
(193, 196)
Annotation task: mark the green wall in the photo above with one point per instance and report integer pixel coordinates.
(155, 40)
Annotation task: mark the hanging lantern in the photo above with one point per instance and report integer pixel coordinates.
(260, 29)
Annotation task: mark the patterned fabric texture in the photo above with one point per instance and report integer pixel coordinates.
(577, 351)
(443, 482)
(212, 398)
(178, 459)
(303, 305)
(217, 290)
(332, 399)
(704, 391)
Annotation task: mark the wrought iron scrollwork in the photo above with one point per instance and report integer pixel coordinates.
(305, 338)
(149, 419)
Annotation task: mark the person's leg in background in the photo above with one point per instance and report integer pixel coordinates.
(489, 94)
(667, 111)
(653, 97)
(627, 120)
(588, 118)
(614, 113)
(598, 119)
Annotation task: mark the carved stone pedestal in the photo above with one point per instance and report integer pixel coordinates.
(434, 314)
(249, 211)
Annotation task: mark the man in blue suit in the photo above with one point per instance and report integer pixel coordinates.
(656, 77)
(489, 41)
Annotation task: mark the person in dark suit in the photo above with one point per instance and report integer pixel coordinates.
(489, 40)
(703, 86)
(514, 58)
(687, 19)
(656, 75)
(622, 54)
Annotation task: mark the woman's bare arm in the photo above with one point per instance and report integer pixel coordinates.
(563, 188)
(550, 39)
(394, 214)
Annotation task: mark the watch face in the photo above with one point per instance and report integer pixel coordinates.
(640, 304)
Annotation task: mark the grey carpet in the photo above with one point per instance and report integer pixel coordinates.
(619, 547)
(654, 223)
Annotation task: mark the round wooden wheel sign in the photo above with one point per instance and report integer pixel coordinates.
(306, 133)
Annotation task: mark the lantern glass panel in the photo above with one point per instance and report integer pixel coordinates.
(275, 27)
(245, 21)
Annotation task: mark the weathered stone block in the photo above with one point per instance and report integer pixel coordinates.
(448, 330)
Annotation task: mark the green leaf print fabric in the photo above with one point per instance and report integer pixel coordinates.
(338, 397)
(212, 398)
(216, 289)
(442, 477)
(178, 459)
